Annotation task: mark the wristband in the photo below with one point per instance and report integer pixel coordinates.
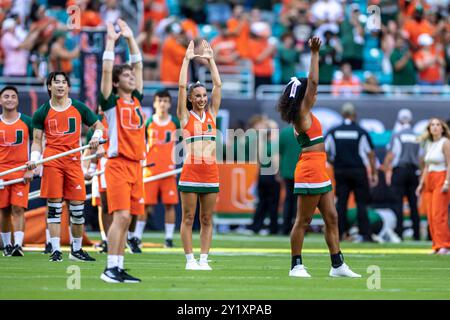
(92, 168)
(35, 156)
(108, 55)
(97, 134)
(135, 58)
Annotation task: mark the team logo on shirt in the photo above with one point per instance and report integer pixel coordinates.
(128, 119)
(17, 141)
(55, 128)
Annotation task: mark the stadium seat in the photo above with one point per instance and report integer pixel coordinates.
(174, 7)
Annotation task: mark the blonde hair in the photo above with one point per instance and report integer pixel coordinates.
(426, 136)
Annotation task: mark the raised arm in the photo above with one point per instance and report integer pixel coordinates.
(216, 94)
(108, 61)
(182, 111)
(313, 77)
(135, 54)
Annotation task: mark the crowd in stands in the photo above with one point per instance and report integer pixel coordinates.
(409, 44)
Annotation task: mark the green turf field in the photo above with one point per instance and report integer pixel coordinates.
(244, 267)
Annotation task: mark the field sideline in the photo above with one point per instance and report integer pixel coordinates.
(244, 267)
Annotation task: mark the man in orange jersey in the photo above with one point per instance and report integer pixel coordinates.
(160, 132)
(60, 121)
(15, 136)
(120, 98)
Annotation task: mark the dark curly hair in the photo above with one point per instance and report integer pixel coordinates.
(289, 107)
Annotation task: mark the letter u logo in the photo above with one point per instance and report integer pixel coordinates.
(18, 138)
(55, 129)
(128, 119)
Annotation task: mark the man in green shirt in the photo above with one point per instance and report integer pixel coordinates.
(404, 72)
(352, 38)
(289, 153)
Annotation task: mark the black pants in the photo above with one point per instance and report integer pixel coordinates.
(347, 180)
(404, 183)
(290, 206)
(269, 197)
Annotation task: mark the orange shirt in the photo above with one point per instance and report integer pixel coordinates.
(126, 129)
(172, 56)
(346, 86)
(433, 72)
(90, 19)
(190, 27)
(265, 67)
(62, 129)
(157, 11)
(224, 48)
(15, 144)
(415, 29)
(160, 143)
(243, 37)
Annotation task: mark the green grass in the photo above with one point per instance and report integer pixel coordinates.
(244, 267)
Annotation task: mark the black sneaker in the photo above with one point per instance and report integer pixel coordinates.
(80, 255)
(48, 248)
(17, 251)
(168, 243)
(56, 257)
(7, 251)
(112, 275)
(104, 247)
(133, 245)
(127, 278)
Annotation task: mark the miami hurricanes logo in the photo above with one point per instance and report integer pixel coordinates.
(55, 129)
(128, 119)
(18, 138)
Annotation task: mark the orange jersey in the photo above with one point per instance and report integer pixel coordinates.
(62, 129)
(199, 134)
(312, 136)
(160, 144)
(14, 144)
(102, 119)
(126, 129)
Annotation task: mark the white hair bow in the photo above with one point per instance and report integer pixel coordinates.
(295, 84)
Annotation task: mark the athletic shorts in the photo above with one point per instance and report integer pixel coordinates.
(166, 187)
(311, 175)
(66, 183)
(15, 194)
(199, 178)
(125, 185)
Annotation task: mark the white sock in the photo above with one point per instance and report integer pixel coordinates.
(120, 262)
(76, 244)
(130, 235)
(170, 227)
(204, 258)
(140, 227)
(18, 238)
(112, 261)
(6, 238)
(47, 236)
(55, 244)
(190, 257)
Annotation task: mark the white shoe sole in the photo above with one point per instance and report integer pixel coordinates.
(299, 276)
(344, 276)
(73, 258)
(107, 279)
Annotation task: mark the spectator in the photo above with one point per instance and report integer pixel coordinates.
(110, 12)
(349, 148)
(60, 57)
(328, 57)
(90, 16)
(262, 53)
(388, 38)
(225, 48)
(289, 56)
(39, 60)
(194, 9)
(150, 45)
(370, 85)
(239, 27)
(346, 83)
(404, 72)
(172, 54)
(265, 9)
(413, 28)
(289, 153)
(190, 28)
(352, 38)
(429, 61)
(401, 166)
(298, 22)
(327, 15)
(435, 183)
(16, 52)
(38, 19)
(155, 11)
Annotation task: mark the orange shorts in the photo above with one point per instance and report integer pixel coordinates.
(199, 178)
(167, 187)
(66, 183)
(15, 195)
(311, 175)
(125, 186)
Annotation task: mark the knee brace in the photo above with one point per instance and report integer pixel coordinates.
(76, 213)
(54, 212)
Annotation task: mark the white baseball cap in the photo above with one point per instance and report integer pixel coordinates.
(425, 39)
(8, 23)
(404, 115)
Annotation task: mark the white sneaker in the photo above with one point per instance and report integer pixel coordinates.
(443, 251)
(204, 266)
(192, 265)
(343, 271)
(299, 271)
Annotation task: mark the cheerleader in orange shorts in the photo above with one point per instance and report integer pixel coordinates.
(200, 175)
(312, 183)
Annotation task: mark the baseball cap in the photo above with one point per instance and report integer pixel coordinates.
(404, 115)
(425, 39)
(8, 23)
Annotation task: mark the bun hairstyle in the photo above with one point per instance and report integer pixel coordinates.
(191, 88)
(290, 101)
